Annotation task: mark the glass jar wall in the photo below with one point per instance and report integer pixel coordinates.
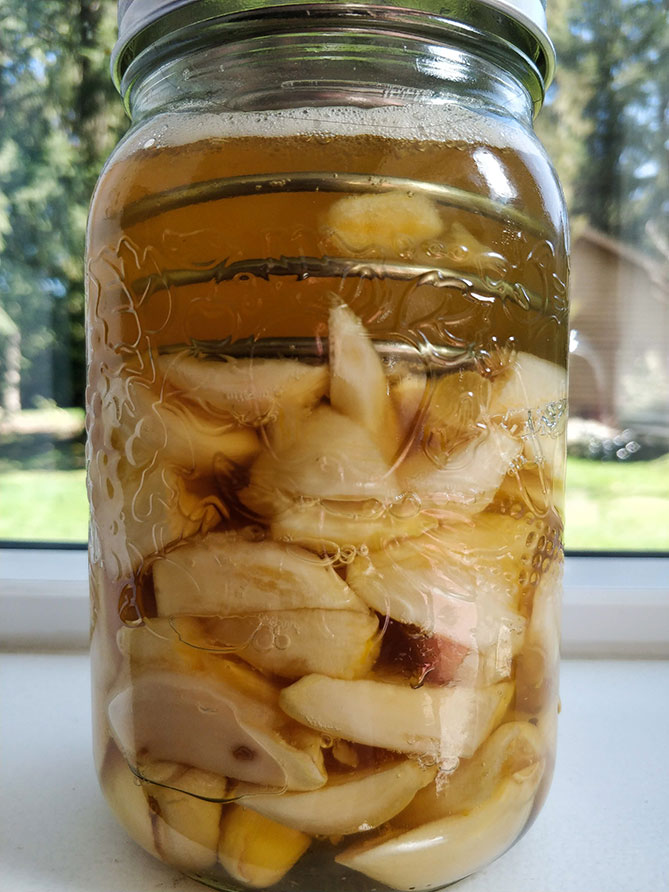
(326, 405)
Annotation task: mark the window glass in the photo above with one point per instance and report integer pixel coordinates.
(59, 117)
(606, 125)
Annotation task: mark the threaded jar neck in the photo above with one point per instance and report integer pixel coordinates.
(332, 32)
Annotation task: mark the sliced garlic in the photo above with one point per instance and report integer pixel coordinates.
(358, 384)
(289, 643)
(252, 391)
(195, 443)
(423, 583)
(530, 396)
(140, 512)
(527, 383)
(443, 723)
(351, 801)
(332, 527)
(467, 481)
(224, 574)
(512, 747)
(335, 458)
(212, 713)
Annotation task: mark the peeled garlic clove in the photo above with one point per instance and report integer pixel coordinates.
(495, 550)
(332, 526)
(444, 723)
(467, 252)
(178, 718)
(467, 481)
(414, 582)
(351, 802)
(127, 796)
(537, 670)
(410, 395)
(386, 223)
(192, 782)
(525, 384)
(355, 362)
(530, 396)
(291, 643)
(187, 827)
(255, 850)
(459, 400)
(421, 582)
(512, 747)
(213, 713)
(225, 574)
(334, 458)
(441, 852)
(195, 443)
(252, 391)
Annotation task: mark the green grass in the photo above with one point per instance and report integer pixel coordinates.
(610, 505)
(44, 505)
(618, 506)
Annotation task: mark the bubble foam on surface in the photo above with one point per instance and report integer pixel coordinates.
(442, 123)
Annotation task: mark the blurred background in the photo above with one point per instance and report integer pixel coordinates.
(606, 126)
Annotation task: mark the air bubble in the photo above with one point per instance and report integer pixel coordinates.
(409, 505)
(264, 639)
(149, 144)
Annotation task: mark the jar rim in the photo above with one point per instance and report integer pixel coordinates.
(142, 23)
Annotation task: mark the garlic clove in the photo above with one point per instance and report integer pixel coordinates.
(224, 574)
(443, 851)
(255, 850)
(252, 391)
(353, 360)
(442, 723)
(351, 801)
(289, 643)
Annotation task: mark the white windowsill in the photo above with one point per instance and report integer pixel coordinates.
(616, 607)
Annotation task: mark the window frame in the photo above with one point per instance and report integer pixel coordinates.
(615, 605)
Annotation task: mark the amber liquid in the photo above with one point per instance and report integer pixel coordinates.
(158, 284)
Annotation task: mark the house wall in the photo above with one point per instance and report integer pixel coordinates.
(619, 371)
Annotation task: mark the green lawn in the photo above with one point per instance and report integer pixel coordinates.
(610, 506)
(618, 506)
(43, 505)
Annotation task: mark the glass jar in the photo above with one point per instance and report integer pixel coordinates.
(327, 333)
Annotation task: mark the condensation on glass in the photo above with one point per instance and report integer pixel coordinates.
(327, 325)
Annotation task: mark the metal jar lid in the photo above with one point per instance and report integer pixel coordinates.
(141, 23)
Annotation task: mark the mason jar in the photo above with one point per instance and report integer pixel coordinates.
(327, 341)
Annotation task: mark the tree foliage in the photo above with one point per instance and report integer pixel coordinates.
(606, 123)
(59, 118)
